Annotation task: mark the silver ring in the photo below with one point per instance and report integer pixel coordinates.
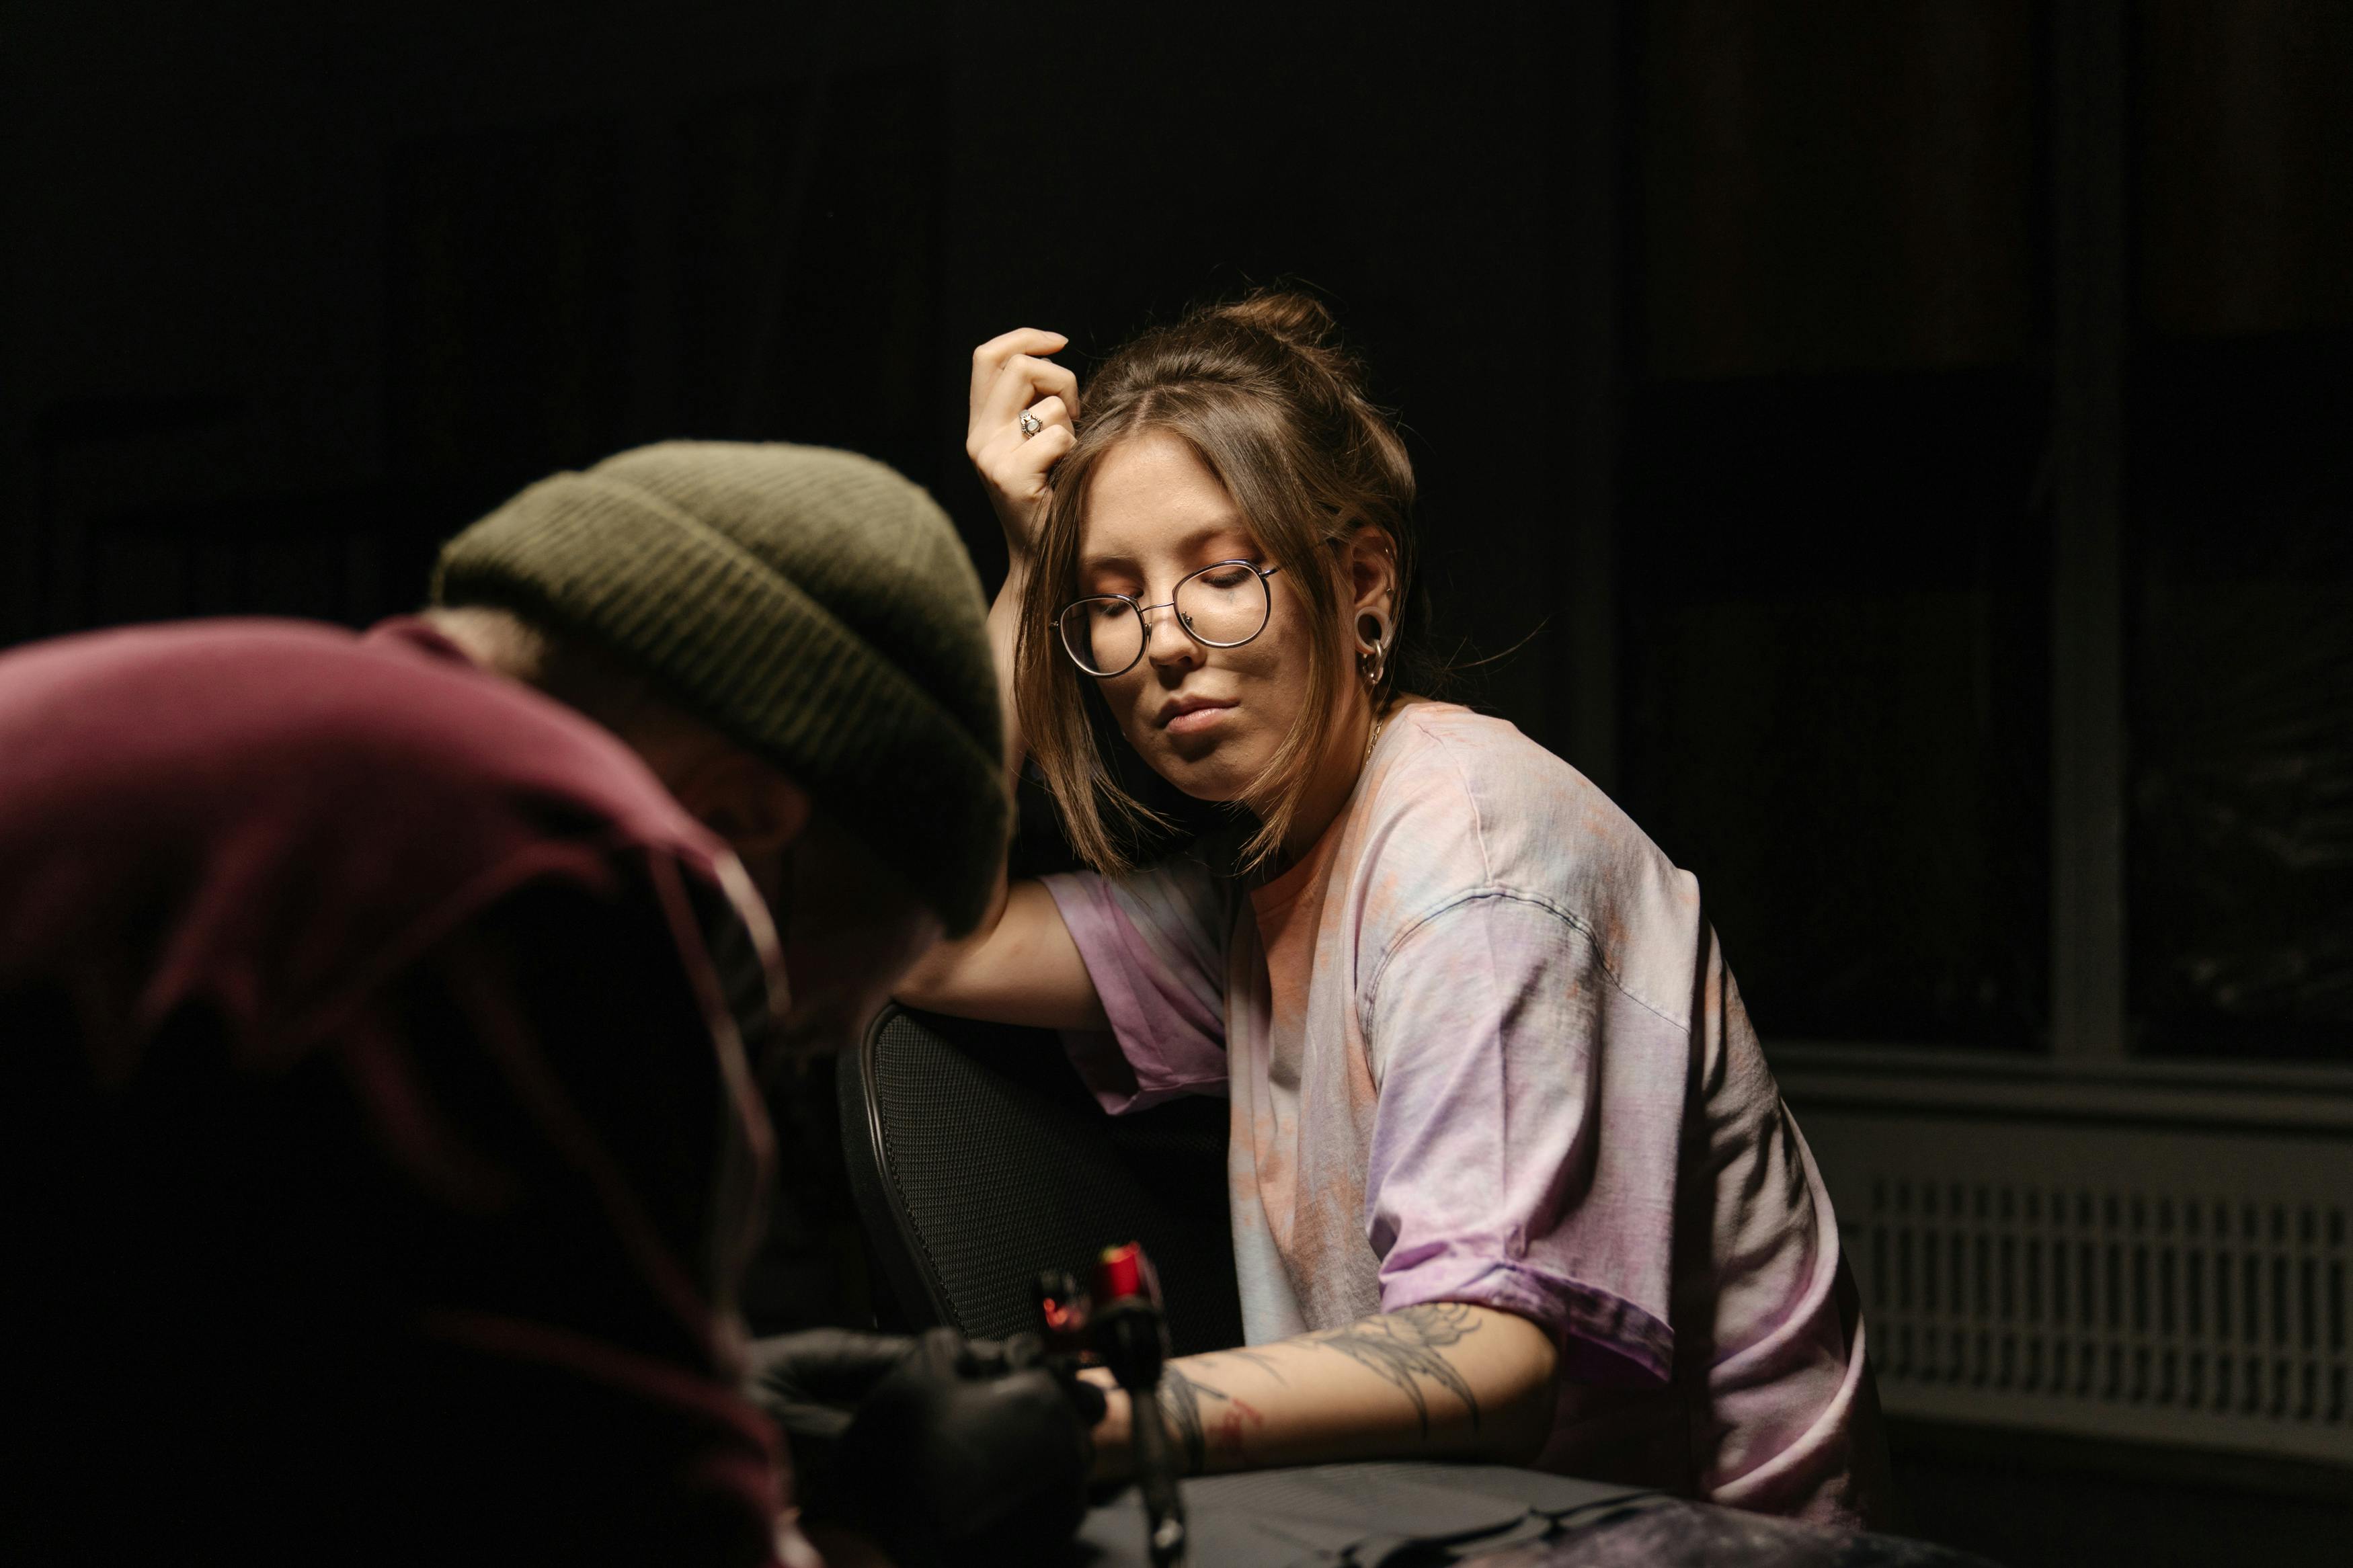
(1030, 425)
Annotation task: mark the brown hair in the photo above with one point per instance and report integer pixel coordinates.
(1277, 411)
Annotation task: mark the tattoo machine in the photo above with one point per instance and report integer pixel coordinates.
(1122, 1322)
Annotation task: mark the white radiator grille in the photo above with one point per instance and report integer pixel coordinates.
(2212, 1306)
(2163, 1285)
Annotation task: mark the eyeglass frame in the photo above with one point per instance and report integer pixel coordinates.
(1143, 612)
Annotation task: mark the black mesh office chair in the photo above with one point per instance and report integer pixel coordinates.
(978, 1159)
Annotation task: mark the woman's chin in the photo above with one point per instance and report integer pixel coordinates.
(1218, 777)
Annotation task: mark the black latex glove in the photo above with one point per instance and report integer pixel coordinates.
(814, 1380)
(974, 1448)
(970, 1453)
(810, 1385)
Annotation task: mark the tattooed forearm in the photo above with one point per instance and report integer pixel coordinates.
(1180, 1406)
(1182, 1400)
(1403, 1348)
(1273, 1403)
(1265, 1364)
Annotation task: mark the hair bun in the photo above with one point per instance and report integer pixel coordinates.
(1298, 319)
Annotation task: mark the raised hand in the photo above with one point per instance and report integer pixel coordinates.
(1012, 378)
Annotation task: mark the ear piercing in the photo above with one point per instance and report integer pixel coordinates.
(1373, 652)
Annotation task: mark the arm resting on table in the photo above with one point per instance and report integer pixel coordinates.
(1443, 1379)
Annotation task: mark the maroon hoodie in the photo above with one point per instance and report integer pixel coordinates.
(379, 1151)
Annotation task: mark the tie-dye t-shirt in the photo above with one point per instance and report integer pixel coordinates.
(1481, 1046)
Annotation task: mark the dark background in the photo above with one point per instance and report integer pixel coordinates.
(1852, 463)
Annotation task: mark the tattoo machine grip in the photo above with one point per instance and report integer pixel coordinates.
(1131, 1333)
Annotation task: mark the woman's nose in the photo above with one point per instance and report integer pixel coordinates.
(1164, 641)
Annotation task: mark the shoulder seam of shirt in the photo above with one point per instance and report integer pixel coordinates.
(1497, 892)
(1470, 795)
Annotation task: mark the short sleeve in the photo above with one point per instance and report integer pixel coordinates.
(1155, 945)
(1526, 1135)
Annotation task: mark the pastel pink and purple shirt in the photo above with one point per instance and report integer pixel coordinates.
(1482, 1046)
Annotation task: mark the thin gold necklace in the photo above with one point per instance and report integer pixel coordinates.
(1375, 738)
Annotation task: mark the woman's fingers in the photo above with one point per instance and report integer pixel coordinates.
(989, 358)
(1015, 464)
(1022, 382)
(1011, 383)
(1050, 410)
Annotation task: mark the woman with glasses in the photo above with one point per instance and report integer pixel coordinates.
(1508, 1175)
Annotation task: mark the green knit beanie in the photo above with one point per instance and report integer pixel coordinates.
(813, 605)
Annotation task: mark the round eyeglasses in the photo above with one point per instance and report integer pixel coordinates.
(1222, 605)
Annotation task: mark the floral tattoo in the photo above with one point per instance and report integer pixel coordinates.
(1402, 1348)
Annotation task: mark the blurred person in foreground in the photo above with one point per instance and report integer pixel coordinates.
(387, 1010)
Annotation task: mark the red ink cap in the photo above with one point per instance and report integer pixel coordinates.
(1121, 1273)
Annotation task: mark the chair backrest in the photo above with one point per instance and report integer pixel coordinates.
(978, 1160)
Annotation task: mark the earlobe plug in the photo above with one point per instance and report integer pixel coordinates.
(1373, 653)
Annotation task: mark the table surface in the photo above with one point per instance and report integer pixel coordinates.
(1276, 1518)
(1492, 1515)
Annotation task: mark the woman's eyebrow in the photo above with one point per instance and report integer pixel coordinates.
(1190, 543)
